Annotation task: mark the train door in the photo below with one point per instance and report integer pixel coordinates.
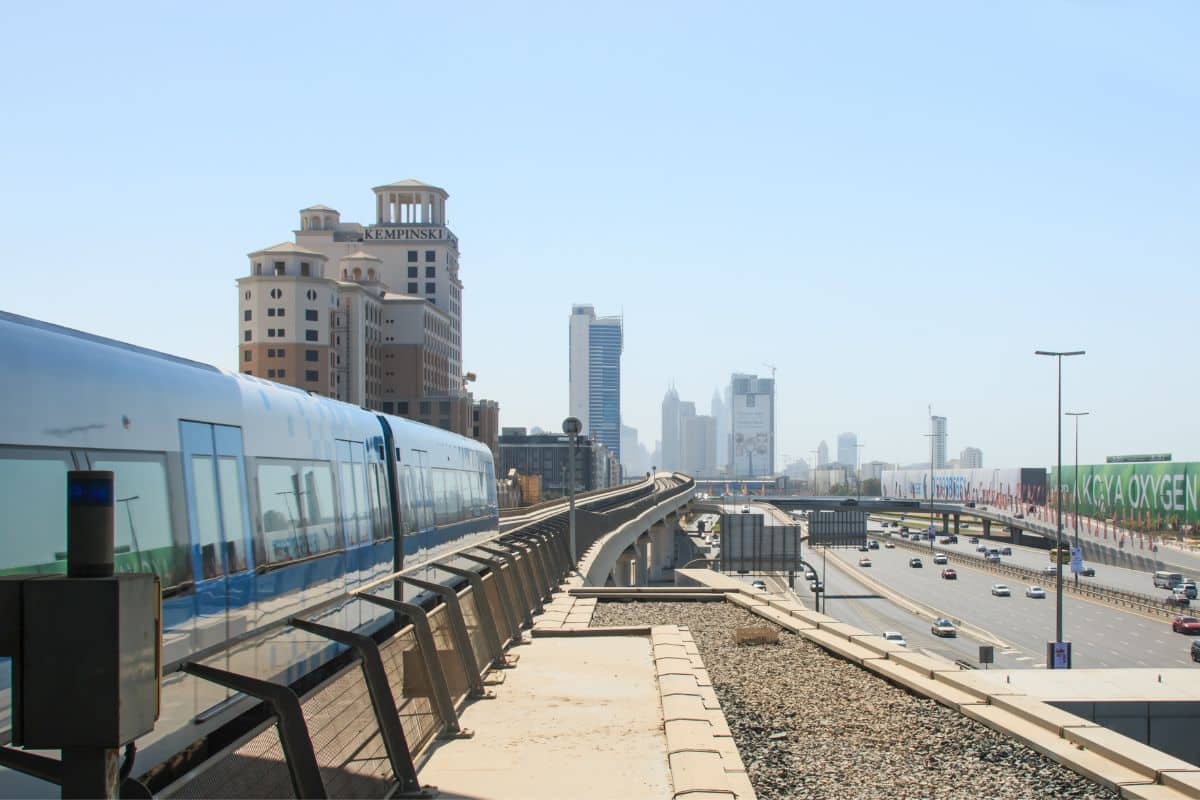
(214, 474)
(423, 501)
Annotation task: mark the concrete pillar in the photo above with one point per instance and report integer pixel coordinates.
(642, 560)
(987, 527)
(946, 522)
(956, 521)
(662, 551)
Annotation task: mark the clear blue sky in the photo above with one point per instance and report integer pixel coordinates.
(895, 203)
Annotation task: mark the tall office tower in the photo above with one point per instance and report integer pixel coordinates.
(595, 375)
(720, 413)
(847, 449)
(698, 438)
(822, 454)
(341, 311)
(752, 425)
(937, 427)
(971, 458)
(670, 431)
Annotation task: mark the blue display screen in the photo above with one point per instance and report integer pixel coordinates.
(90, 491)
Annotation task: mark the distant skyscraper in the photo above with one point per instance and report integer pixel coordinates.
(752, 425)
(720, 413)
(635, 459)
(698, 439)
(937, 427)
(822, 454)
(670, 431)
(847, 444)
(971, 458)
(595, 375)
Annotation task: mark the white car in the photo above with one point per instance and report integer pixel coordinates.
(940, 558)
(1036, 592)
(944, 628)
(895, 636)
(760, 585)
(1001, 590)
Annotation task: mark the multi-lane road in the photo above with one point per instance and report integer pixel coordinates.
(1102, 635)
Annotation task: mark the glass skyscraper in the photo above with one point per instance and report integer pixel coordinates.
(595, 375)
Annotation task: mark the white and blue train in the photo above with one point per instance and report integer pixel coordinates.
(250, 500)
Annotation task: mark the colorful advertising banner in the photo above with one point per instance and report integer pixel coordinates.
(1156, 495)
(985, 486)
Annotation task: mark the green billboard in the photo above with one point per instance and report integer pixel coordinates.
(1154, 495)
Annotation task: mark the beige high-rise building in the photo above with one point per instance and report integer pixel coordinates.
(369, 314)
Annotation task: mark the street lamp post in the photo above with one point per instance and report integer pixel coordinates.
(858, 467)
(571, 427)
(1077, 415)
(930, 436)
(1058, 627)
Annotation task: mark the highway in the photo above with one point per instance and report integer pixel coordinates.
(1102, 635)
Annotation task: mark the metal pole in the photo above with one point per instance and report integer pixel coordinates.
(1058, 506)
(571, 513)
(1077, 415)
(1058, 623)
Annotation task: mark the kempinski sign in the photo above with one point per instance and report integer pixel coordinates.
(405, 234)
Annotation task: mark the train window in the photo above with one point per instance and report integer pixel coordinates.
(143, 517)
(320, 512)
(33, 510)
(207, 525)
(231, 513)
(283, 536)
(379, 505)
(441, 499)
(353, 493)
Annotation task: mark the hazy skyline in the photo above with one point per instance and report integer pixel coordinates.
(895, 204)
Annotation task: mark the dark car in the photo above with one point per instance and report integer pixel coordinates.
(971, 505)
(1088, 572)
(1195, 651)
(849, 501)
(862, 548)
(874, 545)
(1188, 625)
(915, 563)
(973, 540)
(816, 587)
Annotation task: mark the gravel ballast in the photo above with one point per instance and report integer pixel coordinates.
(810, 725)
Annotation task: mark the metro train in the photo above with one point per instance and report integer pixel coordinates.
(252, 501)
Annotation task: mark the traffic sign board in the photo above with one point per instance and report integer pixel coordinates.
(1076, 560)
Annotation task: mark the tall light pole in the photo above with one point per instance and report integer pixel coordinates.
(571, 427)
(1058, 628)
(930, 436)
(812, 473)
(1077, 415)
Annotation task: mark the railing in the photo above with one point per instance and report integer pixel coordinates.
(356, 733)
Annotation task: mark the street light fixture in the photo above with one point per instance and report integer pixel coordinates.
(931, 436)
(1077, 415)
(571, 427)
(858, 467)
(1058, 629)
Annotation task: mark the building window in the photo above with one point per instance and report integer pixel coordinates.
(311, 355)
(279, 332)
(270, 352)
(270, 373)
(402, 407)
(280, 353)
(311, 375)
(270, 333)
(430, 288)
(279, 312)
(444, 407)
(246, 356)
(412, 272)
(310, 314)
(310, 335)
(431, 272)
(257, 268)
(246, 336)
(304, 268)
(270, 312)
(430, 256)
(311, 294)
(412, 256)
(412, 288)
(246, 315)
(424, 408)
(283, 373)
(276, 293)
(280, 268)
